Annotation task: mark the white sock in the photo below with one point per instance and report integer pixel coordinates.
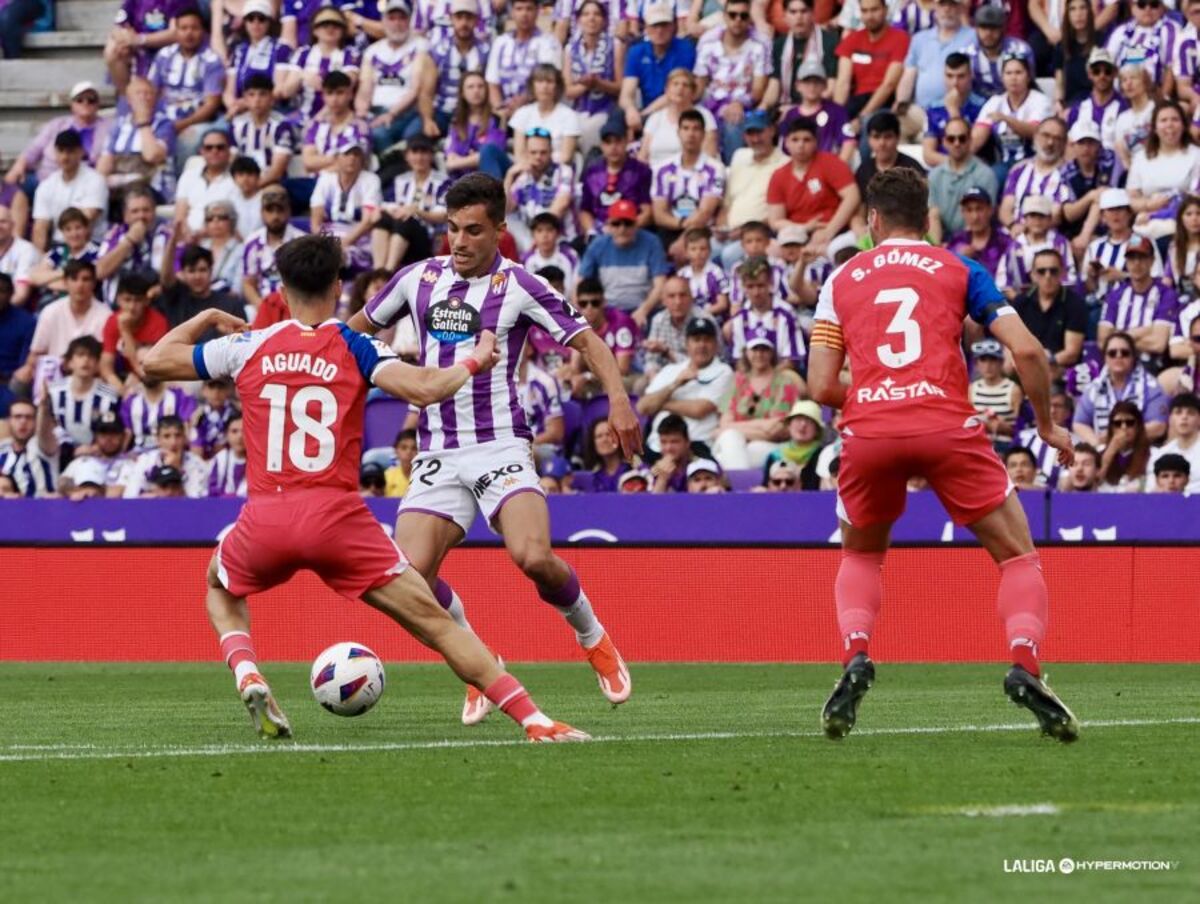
(242, 669)
(458, 613)
(580, 616)
(538, 718)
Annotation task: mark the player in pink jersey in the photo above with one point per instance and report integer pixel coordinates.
(897, 311)
(303, 384)
(476, 454)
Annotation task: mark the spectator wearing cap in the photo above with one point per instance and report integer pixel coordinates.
(330, 51)
(687, 189)
(1104, 262)
(144, 475)
(1009, 120)
(410, 225)
(704, 476)
(391, 78)
(1165, 167)
(202, 185)
(922, 85)
(134, 245)
(77, 313)
(995, 396)
(1172, 474)
(668, 473)
(1052, 311)
(589, 67)
(814, 189)
(804, 42)
(733, 70)
(194, 288)
(347, 202)
(990, 47)
(540, 184)
(1103, 104)
(666, 342)
(227, 473)
(634, 481)
(261, 133)
(1142, 306)
(1123, 379)
(29, 454)
(141, 144)
(1083, 476)
(79, 398)
(616, 175)
(261, 276)
(16, 333)
(1183, 437)
(764, 314)
(37, 161)
(781, 477)
(1039, 175)
(752, 418)
(1034, 234)
(959, 172)
(883, 138)
(629, 262)
(1090, 170)
(454, 51)
(805, 439)
(139, 30)
(73, 184)
(614, 326)
(1149, 39)
(959, 102)
(189, 77)
(256, 52)
(660, 132)
(870, 64)
(602, 457)
(748, 178)
(514, 55)
(372, 480)
(830, 117)
(164, 482)
(649, 62)
(981, 239)
(693, 389)
(102, 461)
(1133, 125)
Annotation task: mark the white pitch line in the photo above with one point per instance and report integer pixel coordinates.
(1011, 810)
(31, 752)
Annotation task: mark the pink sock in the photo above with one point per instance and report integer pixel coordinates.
(1023, 604)
(238, 651)
(857, 592)
(511, 698)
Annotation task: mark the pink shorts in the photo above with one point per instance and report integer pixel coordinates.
(960, 465)
(328, 531)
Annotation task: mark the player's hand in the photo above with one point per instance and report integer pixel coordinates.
(626, 425)
(486, 352)
(1059, 438)
(226, 323)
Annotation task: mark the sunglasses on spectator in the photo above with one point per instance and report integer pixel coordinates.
(590, 302)
(255, 17)
(1195, 338)
(621, 222)
(216, 216)
(537, 132)
(1102, 67)
(1124, 422)
(1047, 271)
(783, 481)
(274, 207)
(744, 17)
(1152, 4)
(1118, 353)
(956, 139)
(214, 147)
(88, 99)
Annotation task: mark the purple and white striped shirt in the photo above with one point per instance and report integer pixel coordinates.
(1183, 322)
(262, 142)
(209, 432)
(325, 136)
(1111, 254)
(429, 195)
(1153, 47)
(184, 82)
(564, 257)
(912, 17)
(541, 398)
(1186, 62)
(1024, 179)
(597, 61)
(1103, 115)
(431, 16)
(125, 139)
(731, 75)
(1125, 308)
(707, 285)
(447, 313)
(395, 69)
(73, 415)
(533, 194)
(310, 60)
(141, 415)
(227, 474)
(684, 187)
(258, 258)
(262, 58)
(1016, 270)
(777, 324)
(986, 72)
(453, 64)
(511, 60)
(147, 255)
(779, 281)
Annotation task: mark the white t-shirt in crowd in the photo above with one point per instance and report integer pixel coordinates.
(663, 134)
(199, 193)
(87, 191)
(1193, 457)
(1133, 126)
(1173, 173)
(18, 259)
(714, 383)
(561, 122)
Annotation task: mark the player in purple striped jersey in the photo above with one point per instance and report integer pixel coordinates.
(475, 448)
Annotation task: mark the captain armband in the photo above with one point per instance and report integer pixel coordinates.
(827, 334)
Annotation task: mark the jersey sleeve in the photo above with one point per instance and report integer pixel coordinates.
(393, 300)
(369, 353)
(223, 357)
(984, 301)
(547, 308)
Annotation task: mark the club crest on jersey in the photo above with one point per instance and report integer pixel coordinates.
(429, 276)
(452, 321)
(499, 280)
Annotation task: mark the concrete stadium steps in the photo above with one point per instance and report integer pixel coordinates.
(54, 76)
(64, 44)
(85, 15)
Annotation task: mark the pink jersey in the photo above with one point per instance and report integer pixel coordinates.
(901, 307)
(303, 390)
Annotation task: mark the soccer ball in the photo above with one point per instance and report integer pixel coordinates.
(347, 679)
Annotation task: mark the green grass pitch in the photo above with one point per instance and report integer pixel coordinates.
(144, 783)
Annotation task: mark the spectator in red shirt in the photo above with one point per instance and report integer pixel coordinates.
(815, 189)
(870, 63)
(134, 325)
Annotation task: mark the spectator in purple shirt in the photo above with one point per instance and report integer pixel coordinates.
(475, 139)
(602, 456)
(589, 69)
(38, 161)
(189, 78)
(141, 144)
(256, 52)
(983, 240)
(142, 26)
(614, 326)
(616, 176)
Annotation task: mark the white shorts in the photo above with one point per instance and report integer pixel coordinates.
(455, 484)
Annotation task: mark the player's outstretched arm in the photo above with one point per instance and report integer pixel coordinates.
(171, 358)
(599, 359)
(423, 386)
(1033, 368)
(360, 323)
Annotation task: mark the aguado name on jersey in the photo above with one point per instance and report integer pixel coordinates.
(452, 321)
(898, 257)
(299, 362)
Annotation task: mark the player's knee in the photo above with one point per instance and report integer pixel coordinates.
(536, 560)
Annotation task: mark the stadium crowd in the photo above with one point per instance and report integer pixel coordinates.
(688, 174)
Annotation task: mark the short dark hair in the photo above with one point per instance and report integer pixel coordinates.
(697, 234)
(309, 265)
(1020, 450)
(134, 283)
(754, 268)
(137, 190)
(89, 344)
(405, 434)
(1048, 250)
(694, 115)
(167, 421)
(957, 60)
(552, 274)
(802, 124)
(672, 425)
(195, 254)
(478, 188)
(1186, 400)
(192, 11)
(259, 81)
(72, 215)
(244, 164)
(901, 195)
(752, 226)
(546, 218)
(1088, 449)
(236, 416)
(885, 122)
(335, 79)
(68, 140)
(589, 286)
(75, 267)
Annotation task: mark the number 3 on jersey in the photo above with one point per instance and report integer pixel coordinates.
(903, 324)
(301, 425)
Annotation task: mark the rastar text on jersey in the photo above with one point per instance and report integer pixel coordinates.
(888, 391)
